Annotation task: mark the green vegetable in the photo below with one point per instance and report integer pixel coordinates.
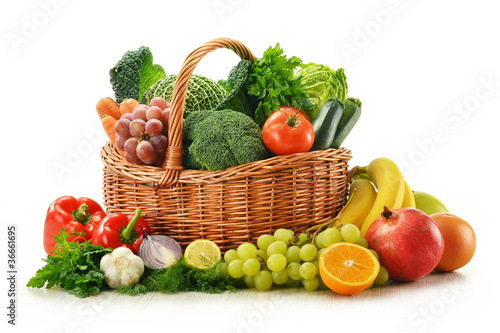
(182, 277)
(271, 79)
(237, 98)
(321, 83)
(216, 140)
(325, 123)
(74, 266)
(134, 73)
(352, 112)
(202, 93)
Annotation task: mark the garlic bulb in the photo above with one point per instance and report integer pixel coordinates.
(121, 268)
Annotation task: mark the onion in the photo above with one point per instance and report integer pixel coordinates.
(159, 251)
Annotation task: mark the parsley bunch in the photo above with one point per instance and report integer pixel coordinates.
(74, 266)
(271, 79)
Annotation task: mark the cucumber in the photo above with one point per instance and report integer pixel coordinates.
(325, 123)
(352, 112)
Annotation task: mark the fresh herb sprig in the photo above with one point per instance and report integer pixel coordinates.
(182, 277)
(271, 79)
(74, 266)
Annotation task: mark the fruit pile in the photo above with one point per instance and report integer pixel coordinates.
(385, 231)
(308, 259)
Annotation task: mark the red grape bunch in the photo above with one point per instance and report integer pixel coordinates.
(142, 134)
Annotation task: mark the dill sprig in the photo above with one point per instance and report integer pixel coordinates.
(182, 277)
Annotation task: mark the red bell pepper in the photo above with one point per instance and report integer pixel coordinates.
(74, 216)
(118, 229)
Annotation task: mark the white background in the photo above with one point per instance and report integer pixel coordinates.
(427, 73)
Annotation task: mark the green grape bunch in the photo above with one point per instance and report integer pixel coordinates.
(289, 260)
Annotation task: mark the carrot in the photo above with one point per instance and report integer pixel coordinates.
(108, 106)
(128, 105)
(108, 123)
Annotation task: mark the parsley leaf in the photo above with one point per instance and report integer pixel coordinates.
(74, 266)
(271, 79)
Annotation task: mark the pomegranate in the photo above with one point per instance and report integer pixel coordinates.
(408, 242)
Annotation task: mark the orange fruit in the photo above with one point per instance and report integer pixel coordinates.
(459, 241)
(348, 268)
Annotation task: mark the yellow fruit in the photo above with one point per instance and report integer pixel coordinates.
(362, 195)
(202, 254)
(390, 183)
(409, 198)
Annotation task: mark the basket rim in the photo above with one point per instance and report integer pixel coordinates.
(152, 174)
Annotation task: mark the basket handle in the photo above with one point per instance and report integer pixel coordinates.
(174, 154)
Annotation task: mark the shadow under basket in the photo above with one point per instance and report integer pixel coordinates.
(229, 206)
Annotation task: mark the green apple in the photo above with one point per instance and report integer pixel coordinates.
(428, 203)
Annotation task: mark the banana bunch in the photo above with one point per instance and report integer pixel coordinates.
(372, 187)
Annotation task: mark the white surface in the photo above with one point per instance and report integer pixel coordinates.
(419, 68)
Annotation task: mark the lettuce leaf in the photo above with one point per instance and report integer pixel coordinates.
(321, 83)
(134, 73)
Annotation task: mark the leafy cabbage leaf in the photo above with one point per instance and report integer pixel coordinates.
(321, 83)
(235, 85)
(134, 73)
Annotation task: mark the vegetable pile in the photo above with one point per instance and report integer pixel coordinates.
(255, 90)
(119, 253)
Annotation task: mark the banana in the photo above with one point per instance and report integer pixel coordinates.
(390, 183)
(362, 195)
(409, 198)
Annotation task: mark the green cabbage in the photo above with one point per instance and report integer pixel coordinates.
(202, 93)
(321, 83)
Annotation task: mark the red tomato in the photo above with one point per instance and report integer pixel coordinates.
(287, 132)
(291, 108)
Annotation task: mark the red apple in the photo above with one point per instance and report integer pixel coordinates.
(407, 241)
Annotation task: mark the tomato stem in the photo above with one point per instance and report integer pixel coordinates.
(292, 120)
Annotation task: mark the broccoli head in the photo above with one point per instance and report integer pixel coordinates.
(216, 140)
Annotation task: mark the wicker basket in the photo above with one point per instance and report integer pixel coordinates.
(229, 206)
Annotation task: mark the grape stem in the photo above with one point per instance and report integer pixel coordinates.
(320, 227)
(144, 136)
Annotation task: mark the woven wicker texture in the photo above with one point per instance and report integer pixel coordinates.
(229, 206)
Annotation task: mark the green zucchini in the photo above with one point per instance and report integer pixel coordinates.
(325, 123)
(352, 112)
